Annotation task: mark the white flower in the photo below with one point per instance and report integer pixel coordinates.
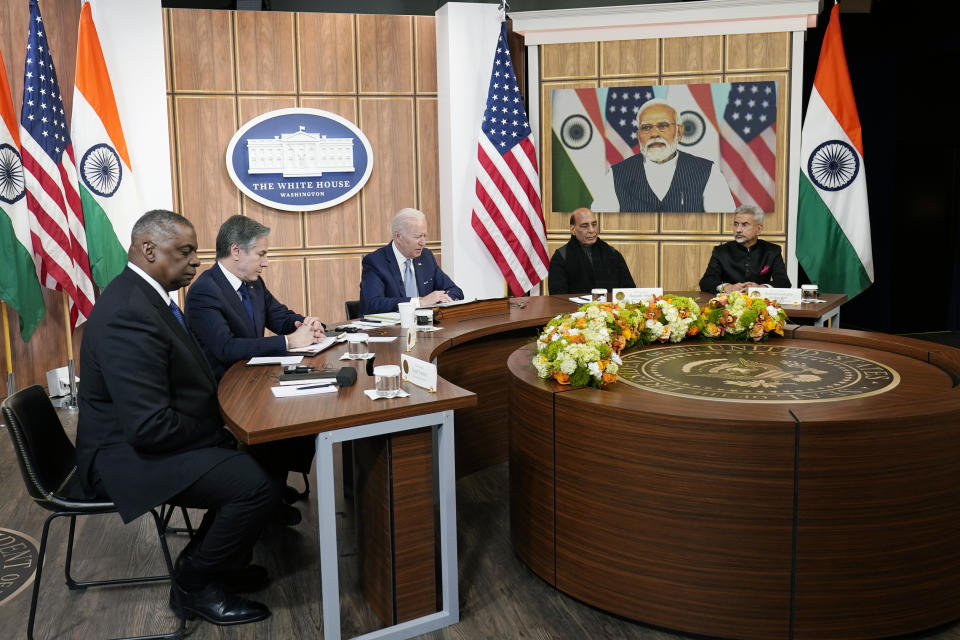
(612, 368)
(616, 358)
(556, 336)
(772, 311)
(594, 369)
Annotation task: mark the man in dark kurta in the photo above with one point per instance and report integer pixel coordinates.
(586, 262)
(746, 261)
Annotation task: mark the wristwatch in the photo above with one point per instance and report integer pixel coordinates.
(720, 288)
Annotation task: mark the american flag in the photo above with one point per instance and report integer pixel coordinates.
(748, 143)
(53, 202)
(623, 105)
(506, 213)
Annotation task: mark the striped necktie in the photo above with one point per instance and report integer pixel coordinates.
(177, 314)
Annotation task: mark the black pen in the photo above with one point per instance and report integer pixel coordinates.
(314, 386)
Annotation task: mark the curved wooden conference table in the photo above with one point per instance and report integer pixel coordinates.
(812, 521)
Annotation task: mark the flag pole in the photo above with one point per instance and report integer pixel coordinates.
(11, 387)
(70, 370)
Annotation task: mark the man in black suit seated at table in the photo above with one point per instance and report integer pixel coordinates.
(149, 429)
(228, 308)
(586, 262)
(746, 261)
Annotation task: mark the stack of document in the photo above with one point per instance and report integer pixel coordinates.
(316, 347)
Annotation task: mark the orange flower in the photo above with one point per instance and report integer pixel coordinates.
(581, 323)
(757, 331)
(607, 378)
(561, 377)
(693, 330)
(712, 330)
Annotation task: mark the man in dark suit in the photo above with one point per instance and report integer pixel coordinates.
(404, 270)
(746, 261)
(228, 308)
(149, 428)
(587, 262)
(663, 178)
(229, 305)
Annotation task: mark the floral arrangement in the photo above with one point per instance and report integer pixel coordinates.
(583, 348)
(738, 316)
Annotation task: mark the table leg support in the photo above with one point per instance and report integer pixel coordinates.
(327, 533)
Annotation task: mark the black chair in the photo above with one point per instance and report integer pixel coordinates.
(352, 307)
(47, 461)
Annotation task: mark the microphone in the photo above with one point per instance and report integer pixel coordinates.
(346, 376)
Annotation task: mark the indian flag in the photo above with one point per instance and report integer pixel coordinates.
(107, 190)
(581, 175)
(19, 286)
(833, 220)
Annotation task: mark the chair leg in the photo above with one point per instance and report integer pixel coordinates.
(166, 512)
(71, 583)
(36, 578)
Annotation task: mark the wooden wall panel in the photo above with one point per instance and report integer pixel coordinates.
(388, 123)
(201, 51)
(385, 53)
(340, 225)
(265, 52)
(568, 61)
(286, 227)
(330, 281)
(286, 280)
(327, 48)
(428, 162)
(699, 54)
(641, 259)
(682, 264)
(205, 125)
(425, 34)
(758, 52)
(629, 58)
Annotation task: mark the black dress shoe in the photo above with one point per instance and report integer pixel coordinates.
(214, 604)
(252, 577)
(286, 516)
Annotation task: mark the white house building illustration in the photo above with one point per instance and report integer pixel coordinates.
(300, 154)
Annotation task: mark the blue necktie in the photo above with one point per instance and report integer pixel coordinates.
(245, 298)
(176, 313)
(409, 281)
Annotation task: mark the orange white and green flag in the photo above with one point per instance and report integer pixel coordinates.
(833, 217)
(19, 286)
(108, 192)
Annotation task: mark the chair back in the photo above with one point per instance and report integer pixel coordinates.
(45, 454)
(352, 307)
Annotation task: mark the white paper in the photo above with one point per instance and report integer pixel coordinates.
(315, 348)
(365, 356)
(581, 299)
(275, 360)
(373, 395)
(288, 392)
(381, 338)
(390, 317)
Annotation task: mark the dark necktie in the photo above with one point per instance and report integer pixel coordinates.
(177, 314)
(245, 299)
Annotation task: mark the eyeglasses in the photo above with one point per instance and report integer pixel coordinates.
(662, 127)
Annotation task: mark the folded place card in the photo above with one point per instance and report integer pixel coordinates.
(783, 296)
(636, 294)
(373, 394)
(423, 374)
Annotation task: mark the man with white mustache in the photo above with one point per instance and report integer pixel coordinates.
(662, 178)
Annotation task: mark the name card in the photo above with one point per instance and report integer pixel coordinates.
(783, 296)
(411, 339)
(637, 294)
(423, 374)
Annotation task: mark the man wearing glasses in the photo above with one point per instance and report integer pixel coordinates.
(404, 270)
(662, 178)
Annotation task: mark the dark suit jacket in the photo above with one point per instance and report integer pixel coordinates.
(149, 424)
(732, 262)
(381, 283)
(216, 316)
